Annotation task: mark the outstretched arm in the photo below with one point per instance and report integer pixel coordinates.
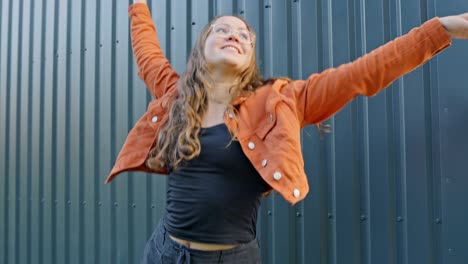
(153, 67)
(322, 95)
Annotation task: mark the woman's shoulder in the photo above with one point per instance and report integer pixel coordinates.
(270, 90)
(275, 81)
(273, 84)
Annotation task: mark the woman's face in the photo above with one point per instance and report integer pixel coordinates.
(229, 44)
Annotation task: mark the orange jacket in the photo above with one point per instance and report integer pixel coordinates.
(270, 120)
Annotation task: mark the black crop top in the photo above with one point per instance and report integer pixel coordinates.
(214, 198)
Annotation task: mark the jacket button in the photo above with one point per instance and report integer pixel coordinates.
(154, 119)
(277, 175)
(264, 163)
(297, 193)
(251, 145)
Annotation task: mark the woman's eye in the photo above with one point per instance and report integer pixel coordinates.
(222, 29)
(244, 36)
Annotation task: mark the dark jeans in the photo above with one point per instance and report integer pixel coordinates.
(161, 249)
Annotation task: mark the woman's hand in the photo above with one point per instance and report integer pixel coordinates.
(139, 1)
(456, 26)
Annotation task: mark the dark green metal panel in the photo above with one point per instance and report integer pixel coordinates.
(387, 185)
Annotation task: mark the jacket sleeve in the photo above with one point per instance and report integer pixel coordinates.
(153, 67)
(323, 94)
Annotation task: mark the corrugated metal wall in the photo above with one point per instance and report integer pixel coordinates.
(388, 185)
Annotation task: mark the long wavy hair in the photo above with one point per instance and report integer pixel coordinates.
(178, 139)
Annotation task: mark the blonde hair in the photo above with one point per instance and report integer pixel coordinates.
(178, 139)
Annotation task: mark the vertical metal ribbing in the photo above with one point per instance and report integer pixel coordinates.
(391, 153)
(54, 134)
(3, 202)
(433, 190)
(400, 164)
(328, 60)
(97, 144)
(41, 133)
(113, 225)
(365, 178)
(189, 33)
(68, 138)
(113, 193)
(7, 197)
(17, 143)
(81, 187)
(433, 158)
(29, 139)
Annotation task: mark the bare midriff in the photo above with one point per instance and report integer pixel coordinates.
(202, 246)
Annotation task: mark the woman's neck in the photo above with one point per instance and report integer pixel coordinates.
(218, 102)
(222, 88)
(220, 94)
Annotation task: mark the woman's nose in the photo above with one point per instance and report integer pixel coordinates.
(233, 36)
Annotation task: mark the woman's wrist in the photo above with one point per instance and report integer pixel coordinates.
(445, 23)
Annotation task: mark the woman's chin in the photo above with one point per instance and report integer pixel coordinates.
(227, 63)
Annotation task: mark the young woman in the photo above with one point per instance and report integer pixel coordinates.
(226, 137)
